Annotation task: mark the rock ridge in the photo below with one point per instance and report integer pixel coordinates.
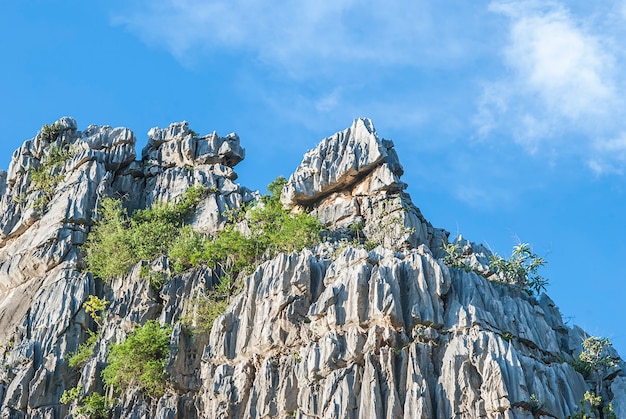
(369, 323)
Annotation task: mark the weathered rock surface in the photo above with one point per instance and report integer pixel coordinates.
(333, 331)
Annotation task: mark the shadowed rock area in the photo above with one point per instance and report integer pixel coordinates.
(368, 323)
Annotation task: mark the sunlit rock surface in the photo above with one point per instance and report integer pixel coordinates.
(333, 331)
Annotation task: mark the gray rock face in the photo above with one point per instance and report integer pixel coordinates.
(369, 323)
(41, 286)
(382, 334)
(342, 160)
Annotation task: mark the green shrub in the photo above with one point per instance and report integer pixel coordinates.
(95, 307)
(583, 368)
(72, 394)
(108, 251)
(203, 311)
(79, 358)
(596, 358)
(520, 269)
(51, 132)
(155, 278)
(117, 241)
(594, 353)
(591, 406)
(139, 361)
(93, 406)
(272, 230)
(45, 177)
(187, 249)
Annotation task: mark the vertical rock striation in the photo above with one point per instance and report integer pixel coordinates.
(369, 323)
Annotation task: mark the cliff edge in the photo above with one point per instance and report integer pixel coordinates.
(369, 322)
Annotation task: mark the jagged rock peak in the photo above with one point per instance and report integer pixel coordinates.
(177, 145)
(340, 161)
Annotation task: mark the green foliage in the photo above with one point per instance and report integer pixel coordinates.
(46, 177)
(594, 353)
(520, 269)
(156, 279)
(275, 188)
(583, 368)
(204, 309)
(535, 404)
(594, 360)
(117, 241)
(51, 132)
(591, 406)
(272, 230)
(139, 361)
(387, 226)
(95, 307)
(93, 406)
(454, 256)
(79, 358)
(72, 394)
(357, 229)
(508, 336)
(108, 251)
(187, 250)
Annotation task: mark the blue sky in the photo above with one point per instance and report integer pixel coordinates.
(508, 116)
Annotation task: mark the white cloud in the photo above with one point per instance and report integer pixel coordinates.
(609, 156)
(300, 36)
(563, 78)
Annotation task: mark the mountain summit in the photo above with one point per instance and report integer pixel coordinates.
(160, 288)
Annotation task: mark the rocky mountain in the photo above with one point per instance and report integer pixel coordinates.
(373, 321)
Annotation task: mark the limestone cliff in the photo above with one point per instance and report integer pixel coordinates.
(369, 323)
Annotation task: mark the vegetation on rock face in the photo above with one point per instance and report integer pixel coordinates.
(139, 361)
(93, 406)
(386, 227)
(518, 270)
(252, 236)
(51, 132)
(455, 258)
(594, 361)
(204, 309)
(95, 307)
(79, 358)
(591, 407)
(46, 177)
(117, 241)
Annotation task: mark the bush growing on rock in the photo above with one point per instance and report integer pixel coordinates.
(46, 177)
(139, 361)
(520, 269)
(117, 241)
(79, 358)
(93, 406)
(271, 230)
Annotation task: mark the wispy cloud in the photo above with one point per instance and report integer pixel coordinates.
(564, 82)
(303, 37)
(552, 72)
